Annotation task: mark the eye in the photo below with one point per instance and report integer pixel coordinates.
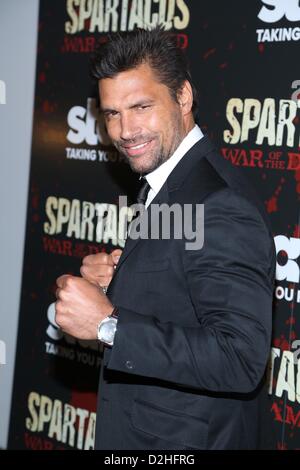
(110, 114)
(143, 106)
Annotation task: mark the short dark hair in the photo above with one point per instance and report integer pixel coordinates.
(127, 50)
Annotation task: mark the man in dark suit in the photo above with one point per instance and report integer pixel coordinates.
(186, 328)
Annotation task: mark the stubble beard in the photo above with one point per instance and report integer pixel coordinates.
(159, 156)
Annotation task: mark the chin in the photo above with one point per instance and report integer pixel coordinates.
(139, 167)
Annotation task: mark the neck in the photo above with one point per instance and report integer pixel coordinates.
(189, 124)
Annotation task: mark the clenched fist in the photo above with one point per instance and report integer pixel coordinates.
(80, 306)
(99, 269)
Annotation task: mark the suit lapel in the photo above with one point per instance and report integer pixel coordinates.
(161, 197)
(173, 182)
(186, 164)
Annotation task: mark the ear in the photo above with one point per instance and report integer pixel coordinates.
(185, 97)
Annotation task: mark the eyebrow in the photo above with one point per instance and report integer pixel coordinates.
(134, 105)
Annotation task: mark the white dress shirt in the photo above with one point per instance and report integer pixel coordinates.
(157, 177)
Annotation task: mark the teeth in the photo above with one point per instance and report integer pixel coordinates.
(139, 146)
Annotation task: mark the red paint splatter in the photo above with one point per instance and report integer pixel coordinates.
(86, 400)
(261, 48)
(209, 52)
(271, 205)
(35, 201)
(293, 335)
(281, 446)
(42, 77)
(48, 107)
(297, 178)
(282, 343)
(290, 321)
(296, 233)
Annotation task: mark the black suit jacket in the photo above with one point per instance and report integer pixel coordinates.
(194, 327)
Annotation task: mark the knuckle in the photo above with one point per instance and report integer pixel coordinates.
(105, 258)
(62, 295)
(109, 271)
(87, 259)
(60, 319)
(60, 322)
(83, 271)
(70, 282)
(58, 311)
(93, 259)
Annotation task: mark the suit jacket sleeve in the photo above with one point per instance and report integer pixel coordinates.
(230, 282)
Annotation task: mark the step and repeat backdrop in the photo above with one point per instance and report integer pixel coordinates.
(244, 60)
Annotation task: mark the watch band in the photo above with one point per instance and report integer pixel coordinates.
(115, 312)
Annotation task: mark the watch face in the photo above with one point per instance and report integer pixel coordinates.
(107, 331)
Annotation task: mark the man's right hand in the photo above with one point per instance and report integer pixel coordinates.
(99, 269)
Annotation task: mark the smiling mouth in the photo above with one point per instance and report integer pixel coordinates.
(134, 150)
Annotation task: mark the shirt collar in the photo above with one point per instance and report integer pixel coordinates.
(157, 177)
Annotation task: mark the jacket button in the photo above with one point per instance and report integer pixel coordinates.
(129, 365)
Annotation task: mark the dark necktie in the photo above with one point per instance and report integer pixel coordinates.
(143, 192)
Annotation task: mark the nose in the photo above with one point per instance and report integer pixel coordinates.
(129, 127)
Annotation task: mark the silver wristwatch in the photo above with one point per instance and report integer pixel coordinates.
(107, 328)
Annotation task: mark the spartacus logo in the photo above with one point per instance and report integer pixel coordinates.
(121, 15)
(276, 10)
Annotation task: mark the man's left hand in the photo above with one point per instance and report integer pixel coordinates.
(80, 306)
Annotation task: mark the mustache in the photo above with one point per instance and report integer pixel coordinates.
(141, 139)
